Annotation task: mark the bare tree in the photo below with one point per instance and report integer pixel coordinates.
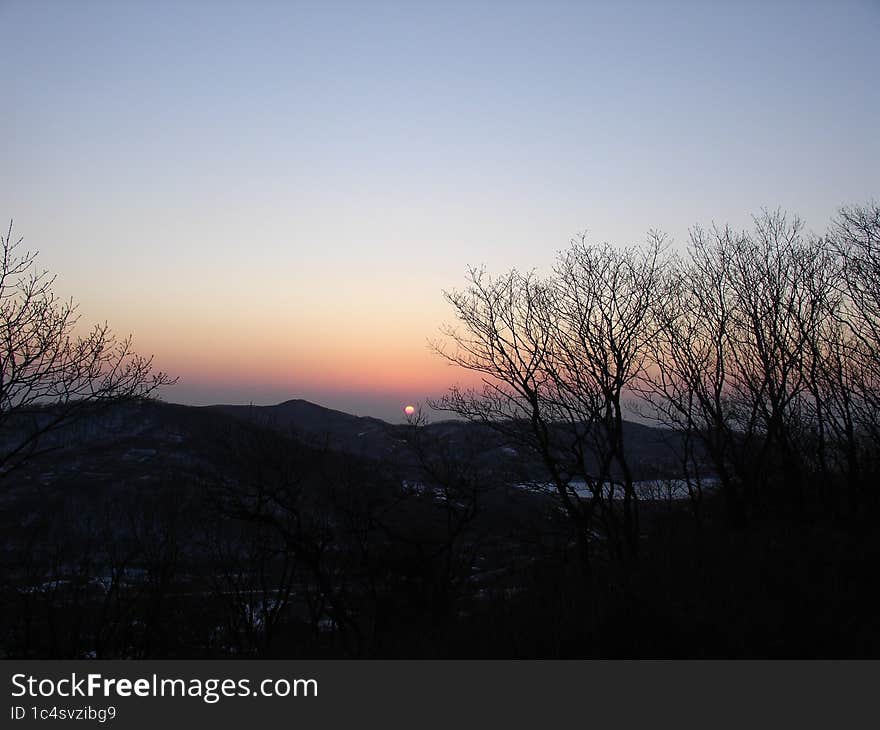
(740, 356)
(767, 355)
(50, 374)
(854, 364)
(557, 356)
(687, 387)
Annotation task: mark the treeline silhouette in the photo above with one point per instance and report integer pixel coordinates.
(760, 348)
(532, 527)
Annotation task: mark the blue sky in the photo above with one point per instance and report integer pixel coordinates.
(271, 196)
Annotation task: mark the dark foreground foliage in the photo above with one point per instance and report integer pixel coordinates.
(186, 534)
(542, 524)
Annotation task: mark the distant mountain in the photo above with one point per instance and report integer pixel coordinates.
(651, 450)
(318, 425)
(154, 441)
(303, 415)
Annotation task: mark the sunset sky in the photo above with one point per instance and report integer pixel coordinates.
(271, 196)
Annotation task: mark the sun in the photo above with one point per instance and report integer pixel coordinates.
(409, 410)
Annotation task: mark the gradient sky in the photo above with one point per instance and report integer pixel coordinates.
(271, 196)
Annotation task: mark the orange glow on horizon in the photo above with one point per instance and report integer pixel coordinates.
(353, 345)
(368, 371)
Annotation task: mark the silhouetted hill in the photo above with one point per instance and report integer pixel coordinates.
(154, 529)
(304, 416)
(650, 449)
(152, 441)
(317, 425)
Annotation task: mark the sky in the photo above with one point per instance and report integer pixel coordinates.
(271, 197)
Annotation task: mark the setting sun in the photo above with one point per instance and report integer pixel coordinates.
(406, 331)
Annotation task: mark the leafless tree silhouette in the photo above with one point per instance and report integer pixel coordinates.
(49, 373)
(557, 356)
(759, 348)
(738, 356)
